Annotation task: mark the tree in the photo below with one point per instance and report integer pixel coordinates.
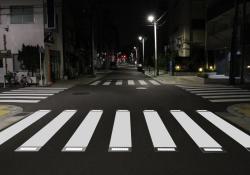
(29, 58)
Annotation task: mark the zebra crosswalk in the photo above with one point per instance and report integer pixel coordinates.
(126, 82)
(121, 137)
(28, 94)
(219, 94)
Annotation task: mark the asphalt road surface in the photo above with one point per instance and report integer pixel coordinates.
(126, 124)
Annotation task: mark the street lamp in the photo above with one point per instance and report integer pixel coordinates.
(142, 39)
(151, 19)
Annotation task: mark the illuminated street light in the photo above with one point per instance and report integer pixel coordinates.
(151, 19)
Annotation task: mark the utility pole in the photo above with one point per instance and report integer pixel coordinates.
(93, 45)
(234, 44)
(206, 35)
(5, 59)
(243, 43)
(156, 56)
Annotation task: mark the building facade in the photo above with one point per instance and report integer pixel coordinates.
(34, 23)
(220, 29)
(186, 31)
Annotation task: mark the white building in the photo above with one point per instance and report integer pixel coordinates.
(25, 22)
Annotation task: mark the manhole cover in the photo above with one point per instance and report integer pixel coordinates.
(81, 93)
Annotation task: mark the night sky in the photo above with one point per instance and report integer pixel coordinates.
(130, 18)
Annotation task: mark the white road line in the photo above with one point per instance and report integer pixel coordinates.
(159, 134)
(219, 91)
(121, 133)
(21, 125)
(37, 141)
(19, 101)
(28, 92)
(224, 93)
(118, 83)
(154, 82)
(131, 82)
(205, 142)
(82, 136)
(142, 82)
(208, 89)
(21, 97)
(35, 91)
(95, 83)
(25, 94)
(230, 100)
(202, 87)
(233, 132)
(226, 96)
(44, 88)
(107, 83)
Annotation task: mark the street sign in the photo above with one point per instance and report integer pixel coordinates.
(5, 54)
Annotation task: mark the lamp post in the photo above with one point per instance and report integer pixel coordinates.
(142, 39)
(151, 19)
(136, 54)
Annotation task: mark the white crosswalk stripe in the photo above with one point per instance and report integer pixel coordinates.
(18, 127)
(107, 83)
(29, 94)
(131, 82)
(128, 82)
(95, 83)
(36, 142)
(118, 83)
(154, 82)
(205, 142)
(236, 134)
(219, 94)
(82, 136)
(160, 136)
(121, 136)
(142, 82)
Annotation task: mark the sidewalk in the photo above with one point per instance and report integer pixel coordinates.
(86, 79)
(8, 115)
(165, 78)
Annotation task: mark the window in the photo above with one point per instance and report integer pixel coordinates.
(22, 15)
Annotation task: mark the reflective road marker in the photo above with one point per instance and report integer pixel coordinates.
(21, 125)
(95, 83)
(121, 133)
(82, 136)
(160, 136)
(131, 82)
(36, 142)
(198, 135)
(233, 132)
(118, 83)
(19, 101)
(154, 82)
(142, 82)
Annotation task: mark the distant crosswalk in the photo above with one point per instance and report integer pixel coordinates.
(29, 94)
(125, 82)
(219, 94)
(120, 139)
